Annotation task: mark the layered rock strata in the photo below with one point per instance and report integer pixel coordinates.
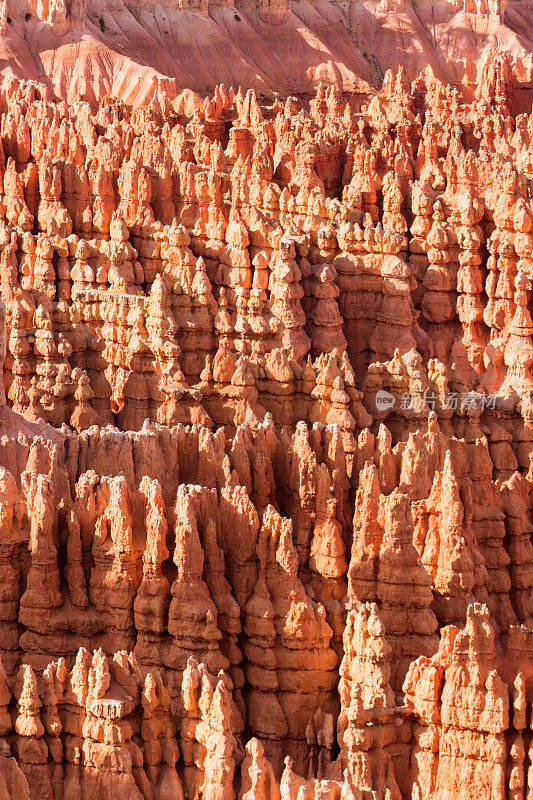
(265, 458)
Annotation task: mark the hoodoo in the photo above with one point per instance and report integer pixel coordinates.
(266, 406)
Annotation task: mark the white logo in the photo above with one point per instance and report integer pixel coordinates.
(384, 400)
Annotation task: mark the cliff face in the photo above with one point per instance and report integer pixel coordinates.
(133, 49)
(266, 483)
(146, 640)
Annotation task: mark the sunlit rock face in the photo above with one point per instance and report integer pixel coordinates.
(266, 429)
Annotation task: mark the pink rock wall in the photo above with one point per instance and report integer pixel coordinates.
(265, 476)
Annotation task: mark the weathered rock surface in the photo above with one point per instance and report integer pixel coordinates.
(134, 50)
(266, 483)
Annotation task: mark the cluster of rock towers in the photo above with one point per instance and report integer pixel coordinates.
(266, 485)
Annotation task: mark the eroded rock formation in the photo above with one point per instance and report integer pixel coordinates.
(265, 461)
